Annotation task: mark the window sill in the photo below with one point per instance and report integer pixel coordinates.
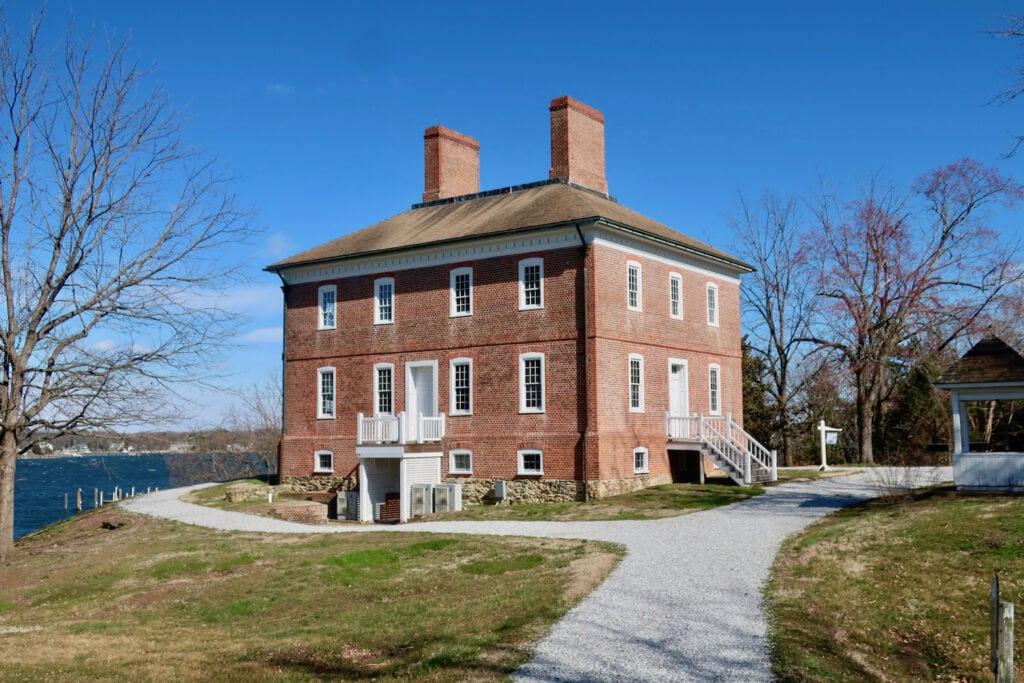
(454, 473)
(461, 315)
(531, 411)
(325, 417)
(466, 414)
(529, 474)
(641, 471)
(531, 308)
(323, 471)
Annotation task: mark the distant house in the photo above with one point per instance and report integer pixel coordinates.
(990, 371)
(536, 342)
(180, 447)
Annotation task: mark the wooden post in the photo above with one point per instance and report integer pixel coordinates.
(101, 498)
(95, 498)
(65, 502)
(133, 492)
(1004, 671)
(78, 501)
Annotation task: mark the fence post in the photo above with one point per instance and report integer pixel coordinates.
(65, 502)
(1004, 672)
(746, 467)
(994, 608)
(78, 501)
(775, 465)
(359, 429)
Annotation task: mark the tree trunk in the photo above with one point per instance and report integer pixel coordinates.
(8, 458)
(865, 421)
(787, 452)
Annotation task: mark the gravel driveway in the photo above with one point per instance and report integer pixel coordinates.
(683, 605)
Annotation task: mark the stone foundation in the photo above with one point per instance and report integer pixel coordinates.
(319, 482)
(303, 512)
(481, 491)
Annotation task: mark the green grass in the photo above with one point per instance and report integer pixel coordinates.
(896, 590)
(155, 600)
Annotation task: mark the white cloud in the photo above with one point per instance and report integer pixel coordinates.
(264, 335)
(103, 346)
(277, 88)
(278, 246)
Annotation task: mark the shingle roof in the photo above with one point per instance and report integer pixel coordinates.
(990, 360)
(490, 213)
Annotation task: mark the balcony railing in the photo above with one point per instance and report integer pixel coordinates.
(399, 429)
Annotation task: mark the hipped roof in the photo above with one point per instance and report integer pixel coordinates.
(491, 213)
(991, 360)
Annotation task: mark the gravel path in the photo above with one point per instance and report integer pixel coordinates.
(683, 605)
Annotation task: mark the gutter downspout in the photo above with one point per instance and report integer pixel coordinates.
(284, 356)
(584, 330)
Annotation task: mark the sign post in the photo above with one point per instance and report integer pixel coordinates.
(829, 436)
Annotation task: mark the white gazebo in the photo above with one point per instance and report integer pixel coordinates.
(990, 371)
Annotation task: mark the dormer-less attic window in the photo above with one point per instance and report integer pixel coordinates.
(328, 299)
(384, 301)
(461, 292)
(531, 283)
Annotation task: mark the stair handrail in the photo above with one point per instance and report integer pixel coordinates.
(724, 448)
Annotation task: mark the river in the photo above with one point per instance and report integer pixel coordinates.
(40, 483)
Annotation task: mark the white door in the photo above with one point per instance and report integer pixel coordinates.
(678, 399)
(420, 395)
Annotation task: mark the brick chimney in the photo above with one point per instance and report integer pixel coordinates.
(451, 164)
(577, 144)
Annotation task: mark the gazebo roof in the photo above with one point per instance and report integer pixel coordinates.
(990, 361)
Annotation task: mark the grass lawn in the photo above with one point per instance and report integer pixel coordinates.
(113, 596)
(897, 590)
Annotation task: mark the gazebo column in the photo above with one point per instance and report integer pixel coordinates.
(961, 426)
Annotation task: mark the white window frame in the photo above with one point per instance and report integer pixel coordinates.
(646, 467)
(522, 383)
(452, 409)
(638, 359)
(455, 273)
(376, 388)
(675, 304)
(523, 265)
(713, 304)
(379, 284)
(317, 467)
(452, 468)
(639, 292)
(322, 311)
(715, 389)
(522, 471)
(322, 414)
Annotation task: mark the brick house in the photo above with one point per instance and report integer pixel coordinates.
(537, 342)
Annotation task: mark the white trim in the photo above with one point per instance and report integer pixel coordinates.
(529, 473)
(523, 357)
(712, 309)
(677, 278)
(320, 293)
(639, 305)
(629, 383)
(453, 274)
(411, 409)
(377, 285)
(646, 468)
(503, 245)
(523, 265)
(376, 388)
(452, 469)
(322, 414)
(715, 389)
(317, 469)
(452, 410)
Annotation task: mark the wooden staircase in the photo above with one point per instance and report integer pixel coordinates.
(727, 444)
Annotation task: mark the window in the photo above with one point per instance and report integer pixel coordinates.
(383, 389)
(714, 387)
(462, 292)
(640, 460)
(712, 304)
(323, 461)
(634, 286)
(460, 462)
(325, 382)
(384, 301)
(531, 283)
(636, 383)
(461, 387)
(328, 296)
(675, 296)
(531, 383)
(531, 462)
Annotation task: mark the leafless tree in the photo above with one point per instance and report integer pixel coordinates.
(1014, 29)
(113, 236)
(259, 415)
(778, 297)
(894, 267)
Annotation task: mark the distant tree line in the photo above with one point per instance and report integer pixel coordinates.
(858, 303)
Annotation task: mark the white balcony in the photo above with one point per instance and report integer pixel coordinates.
(399, 429)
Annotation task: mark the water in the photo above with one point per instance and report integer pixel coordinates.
(40, 483)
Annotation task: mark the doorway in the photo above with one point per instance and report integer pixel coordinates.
(420, 394)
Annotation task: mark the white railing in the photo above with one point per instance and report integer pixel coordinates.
(727, 440)
(395, 429)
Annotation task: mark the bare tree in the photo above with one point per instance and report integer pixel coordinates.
(892, 267)
(1014, 30)
(112, 235)
(259, 416)
(778, 297)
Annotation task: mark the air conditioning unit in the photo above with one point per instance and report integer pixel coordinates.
(420, 500)
(351, 503)
(447, 497)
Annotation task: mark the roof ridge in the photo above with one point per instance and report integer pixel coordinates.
(509, 190)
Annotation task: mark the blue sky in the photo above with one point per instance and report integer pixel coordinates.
(318, 108)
